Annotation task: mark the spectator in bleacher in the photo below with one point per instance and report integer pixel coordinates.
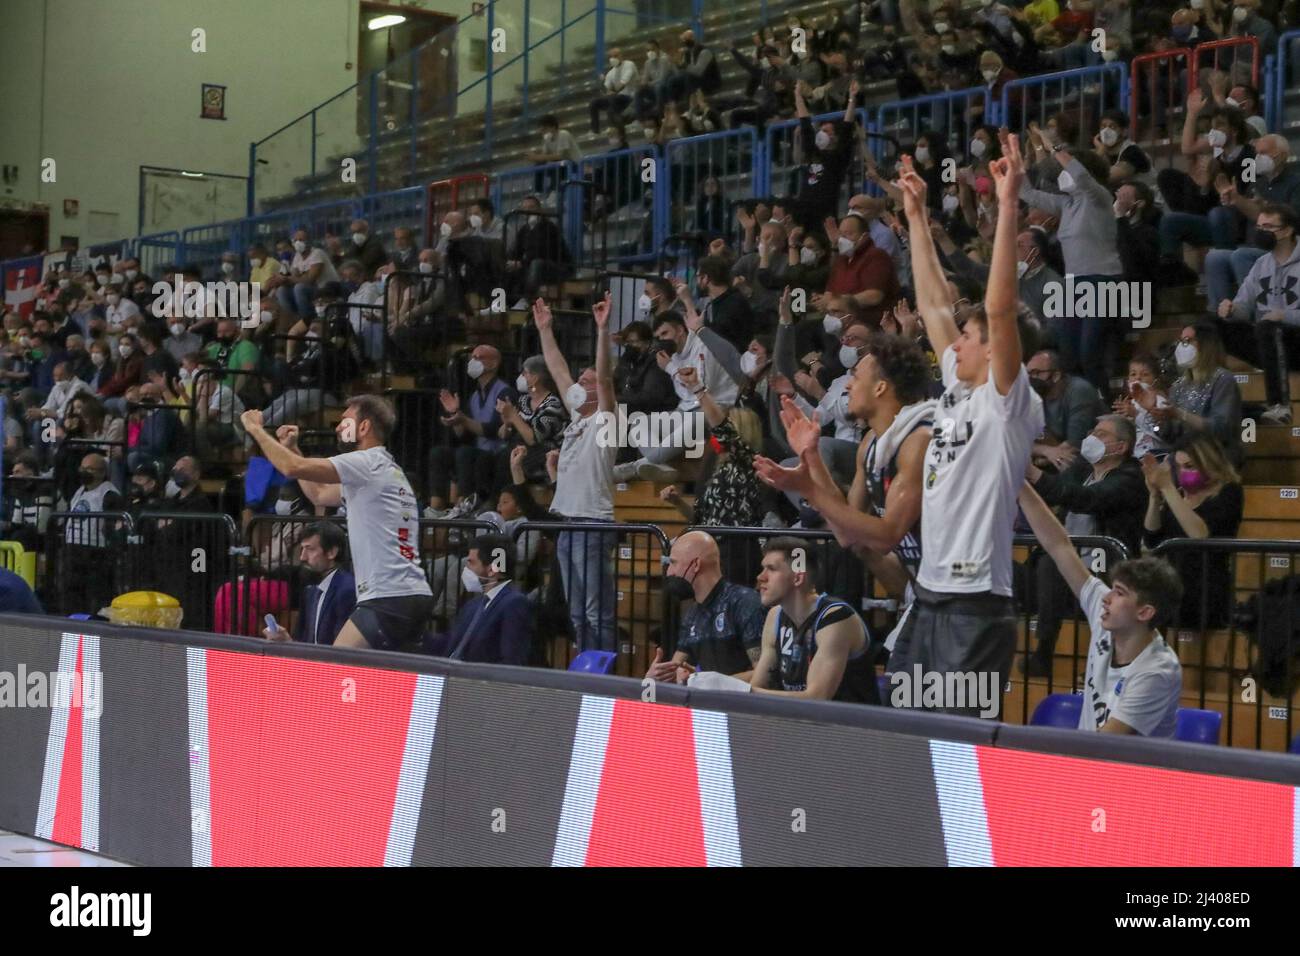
(1126, 158)
(405, 253)
(65, 387)
(1133, 682)
(1277, 180)
(682, 342)
(327, 603)
(1205, 398)
(471, 460)
(424, 317)
(483, 221)
(496, 625)
(1246, 22)
(732, 496)
(558, 145)
(619, 88)
(711, 210)
(102, 363)
(183, 490)
(233, 352)
(696, 69)
(180, 340)
(1071, 407)
(862, 277)
(146, 488)
(87, 421)
(1194, 211)
(640, 385)
(700, 117)
(128, 374)
(217, 407)
(1269, 301)
(536, 419)
(1137, 231)
(725, 311)
(142, 296)
(1102, 494)
(28, 503)
(81, 313)
(827, 152)
(584, 484)
(1089, 241)
(762, 274)
(662, 299)
(1190, 28)
(656, 72)
(156, 358)
(317, 376)
(366, 247)
(770, 91)
(1144, 377)
(310, 267)
(815, 646)
(78, 358)
(808, 261)
(85, 585)
(119, 310)
(723, 630)
(538, 256)
(1196, 493)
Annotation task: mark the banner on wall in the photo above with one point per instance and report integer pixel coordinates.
(22, 278)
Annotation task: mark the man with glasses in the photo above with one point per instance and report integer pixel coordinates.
(1102, 495)
(1071, 405)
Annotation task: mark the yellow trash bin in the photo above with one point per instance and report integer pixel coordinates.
(145, 609)
(20, 562)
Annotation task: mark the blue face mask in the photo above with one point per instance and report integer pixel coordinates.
(1182, 34)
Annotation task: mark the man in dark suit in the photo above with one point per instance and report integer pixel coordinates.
(327, 605)
(496, 626)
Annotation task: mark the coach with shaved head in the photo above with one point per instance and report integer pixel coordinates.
(723, 631)
(475, 423)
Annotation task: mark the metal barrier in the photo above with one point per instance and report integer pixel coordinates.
(1254, 687)
(216, 431)
(1283, 80)
(1089, 90)
(1163, 77)
(157, 250)
(447, 195)
(188, 556)
(603, 574)
(1216, 47)
(203, 246)
(84, 566)
(946, 114)
(1044, 603)
(617, 203)
(402, 207)
(732, 156)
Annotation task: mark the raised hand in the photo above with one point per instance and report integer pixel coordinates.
(689, 376)
(914, 191)
(669, 494)
(517, 455)
(781, 385)
(251, 419)
(1009, 171)
(1195, 100)
(287, 435)
(542, 317)
(801, 432)
(600, 311)
(796, 478)
(450, 402)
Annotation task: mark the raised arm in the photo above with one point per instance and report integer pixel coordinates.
(605, 399)
(932, 300)
(310, 473)
(1002, 296)
(555, 363)
(1053, 539)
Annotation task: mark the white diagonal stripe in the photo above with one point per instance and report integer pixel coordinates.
(90, 746)
(415, 769)
(717, 788)
(961, 803)
(583, 783)
(54, 747)
(196, 667)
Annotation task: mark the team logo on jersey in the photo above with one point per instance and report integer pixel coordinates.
(1119, 686)
(932, 477)
(720, 622)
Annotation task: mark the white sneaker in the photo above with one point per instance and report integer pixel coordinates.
(649, 471)
(625, 472)
(464, 507)
(1277, 414)
(431, 512)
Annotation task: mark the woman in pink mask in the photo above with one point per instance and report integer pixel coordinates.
(1199, 496)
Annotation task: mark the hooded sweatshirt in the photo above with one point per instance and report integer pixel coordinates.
(1270, 286)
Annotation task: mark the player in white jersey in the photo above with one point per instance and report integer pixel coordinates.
(393, 597)
(963, 621)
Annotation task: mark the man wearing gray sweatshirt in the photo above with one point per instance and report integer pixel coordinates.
(1269, 299)
(1089, 242)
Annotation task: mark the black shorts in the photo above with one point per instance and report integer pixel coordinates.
(389, 624)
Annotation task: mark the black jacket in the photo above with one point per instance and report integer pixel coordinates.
(642, 385)
(1118, 502)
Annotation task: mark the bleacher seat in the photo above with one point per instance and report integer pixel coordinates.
(1295, 745)
(594, 662)
(1195, 726)
(1058, 710)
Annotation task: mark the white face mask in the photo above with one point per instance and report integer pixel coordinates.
(990, 75)
(1239, 14)
(822, 139)
(101, 280)
(474, 368)
(1233, 103)
(521, 385)
(283, 507)
(444, 230)
(848, 356)
(125, 351)
(185, 375)
(922, 154)
(359, 238)
(177, 328)
(1065, 182)
(1109, 55)
(131, 274)
(476, 222)
(1093, 449)
(1198, 4)
(614, 61)
(299, 246)
(534, 220)
(643, 303)
(97, 359)
(1109, 136)
(426, 268)
(845, 245)
(1216, 138)
(807, 256)
(977, 147)
(941, 28)
(227, 268)
(1021, 268)
(950, 203)
(832, 324)
(949, 48)
(114, 298)
(172, 489)
(64, 283)
(1185, 354)
(255, 263)
(470, 581)
(576, 396)
(748, 363)
(1264, 164)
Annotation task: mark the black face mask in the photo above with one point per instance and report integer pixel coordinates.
(88, 478)
(347, 446)
(678, 588)
(1039, 386)
(181, 478)
(667, 346)
(1265, 240)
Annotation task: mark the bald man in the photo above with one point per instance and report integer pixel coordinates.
(84, 585)
(475, 424)
(723, 631)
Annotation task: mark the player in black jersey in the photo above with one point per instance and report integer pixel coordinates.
(814, 645)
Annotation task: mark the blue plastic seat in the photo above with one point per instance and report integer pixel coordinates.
(79, 617)
(1058, 710)
(1198, 726)
(1295, 745)
(882, 686)
(594, 662)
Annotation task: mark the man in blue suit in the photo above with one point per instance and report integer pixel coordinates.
(496, 626)
(326, 605)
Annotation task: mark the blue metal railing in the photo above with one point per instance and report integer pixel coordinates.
(1038, 97)
(158, 249)
(948, 115)
(1282, 80)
